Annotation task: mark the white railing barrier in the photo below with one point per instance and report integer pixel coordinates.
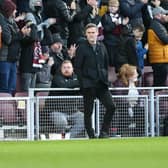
(151, 103)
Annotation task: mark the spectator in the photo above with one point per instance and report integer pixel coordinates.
(127, 53)
(148, 16)
(141, 50)
(44, 76)
(5, 41)
(35, 16)
(112, 23)
(58, 9)
(128, 75)
(58, 52)
(91, 65)
(93, 16)
(76, 26)
(10, 50)
(66, 78)
(31, 54)
(158, 45)
(133, 10)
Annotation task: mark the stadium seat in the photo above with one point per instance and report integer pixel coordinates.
(147, 78)
(42, 93)
(21, 107)
(5, 94)
(112, 76)
(7, 109)
(21, 94)
(41, 100)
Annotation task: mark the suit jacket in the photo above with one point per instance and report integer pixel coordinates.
(91, 66)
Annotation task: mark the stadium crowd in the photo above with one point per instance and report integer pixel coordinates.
(37, 36)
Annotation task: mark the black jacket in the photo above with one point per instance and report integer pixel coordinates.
(76, 27)
(132, 9)
(60, 81)
(14, 48)
(58, 59)
(27, 49)
(126, 52)
(111, 30)
(91, 66)
(59, 10)
(6, 38)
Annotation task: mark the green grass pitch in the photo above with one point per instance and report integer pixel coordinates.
(99, 153)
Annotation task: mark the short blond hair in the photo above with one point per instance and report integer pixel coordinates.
(113, 3)
(90, 25)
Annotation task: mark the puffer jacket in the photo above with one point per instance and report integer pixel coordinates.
(158, 42)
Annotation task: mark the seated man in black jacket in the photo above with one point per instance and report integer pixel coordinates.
(60, 117)
(66, 78)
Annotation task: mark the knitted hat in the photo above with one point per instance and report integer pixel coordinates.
(113, 3)
(56, 38)
(7, 8)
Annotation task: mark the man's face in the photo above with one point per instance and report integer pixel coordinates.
(91, 35)
(56, 47)
(67, 69)
(113, 9)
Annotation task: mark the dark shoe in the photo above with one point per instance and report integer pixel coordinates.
(103, 135)
(91, 133)
(92, 137)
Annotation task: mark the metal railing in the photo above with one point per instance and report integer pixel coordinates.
(37, 115)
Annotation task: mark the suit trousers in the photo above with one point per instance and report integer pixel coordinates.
(105, 97)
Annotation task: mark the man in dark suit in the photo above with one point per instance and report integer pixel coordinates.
(91, 66)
